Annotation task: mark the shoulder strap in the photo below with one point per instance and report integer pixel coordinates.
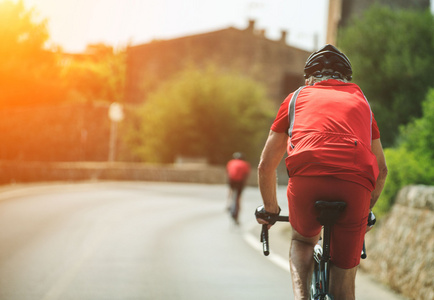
(291, 109)
(366, 99)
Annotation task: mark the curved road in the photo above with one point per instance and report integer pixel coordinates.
(133, 240)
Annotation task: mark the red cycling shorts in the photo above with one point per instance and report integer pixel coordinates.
(349, 231)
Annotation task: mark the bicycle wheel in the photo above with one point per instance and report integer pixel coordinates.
(234, 210)
(314, 284)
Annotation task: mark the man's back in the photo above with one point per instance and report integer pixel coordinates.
(238, 169)
(331, 133)
(332, 106)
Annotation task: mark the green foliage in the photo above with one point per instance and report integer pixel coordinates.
(21, 35)
(418, 136)
(391, 54)
(201, 113)
(96, 75)
(29, 74)
(35, 81)
(412, 162)
(405, 167)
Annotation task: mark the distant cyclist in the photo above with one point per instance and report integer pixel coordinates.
(238, 171)
(334, 154)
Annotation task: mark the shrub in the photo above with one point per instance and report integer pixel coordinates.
(201, 113)
(412, 162)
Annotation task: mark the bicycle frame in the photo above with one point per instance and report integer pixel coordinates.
(321, 273)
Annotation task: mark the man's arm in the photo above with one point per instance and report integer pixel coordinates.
(270, 158)
(377, 149)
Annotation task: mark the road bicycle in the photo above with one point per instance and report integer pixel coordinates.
(233, 205)
(329, 213)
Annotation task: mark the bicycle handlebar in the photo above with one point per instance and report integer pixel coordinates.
(364, 254)
(265, 240)
(264, 233)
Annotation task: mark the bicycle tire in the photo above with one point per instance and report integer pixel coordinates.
(313, 283)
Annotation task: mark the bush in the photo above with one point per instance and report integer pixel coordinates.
(201, 113)
(412, 162)
(405, 167)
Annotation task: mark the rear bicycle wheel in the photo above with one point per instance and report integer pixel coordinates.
(234, 208)
(314, 284)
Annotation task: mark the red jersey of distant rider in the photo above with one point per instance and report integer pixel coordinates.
(238, 169)
(330, 132)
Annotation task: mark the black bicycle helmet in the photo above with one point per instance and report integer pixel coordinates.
(329, 57)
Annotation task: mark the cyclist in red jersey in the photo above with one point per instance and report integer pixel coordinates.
(335, 154)
(238, 171)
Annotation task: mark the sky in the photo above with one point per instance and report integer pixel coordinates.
(73, 24)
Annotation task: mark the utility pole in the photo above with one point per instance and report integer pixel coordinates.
(116, 114)
(334, 17)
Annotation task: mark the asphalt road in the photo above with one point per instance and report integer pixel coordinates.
(132, 240)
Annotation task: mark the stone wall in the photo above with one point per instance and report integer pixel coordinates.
(401, 248)
(63, 132)
(11, 172)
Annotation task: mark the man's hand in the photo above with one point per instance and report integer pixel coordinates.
(371, 221)
(264, 217)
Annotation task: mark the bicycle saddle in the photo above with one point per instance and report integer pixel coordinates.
(329, 211)
(321, 205)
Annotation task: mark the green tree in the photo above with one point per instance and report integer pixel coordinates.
(29, 73)
(201, 114)
(418, 136)
(412, 161)
(392, 56)
(96, 75)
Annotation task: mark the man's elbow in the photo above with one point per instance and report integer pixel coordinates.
(265, 168)
(383, 172)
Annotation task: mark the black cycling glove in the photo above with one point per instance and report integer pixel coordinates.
(261, 213)
(371, 219)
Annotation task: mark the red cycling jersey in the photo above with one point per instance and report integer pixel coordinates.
(238, 169)
(331, 127)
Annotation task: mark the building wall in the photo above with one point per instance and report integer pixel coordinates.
(248, 51)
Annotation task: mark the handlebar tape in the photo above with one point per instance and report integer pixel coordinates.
(264, 240)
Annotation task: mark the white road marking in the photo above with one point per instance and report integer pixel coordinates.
(255, 244)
